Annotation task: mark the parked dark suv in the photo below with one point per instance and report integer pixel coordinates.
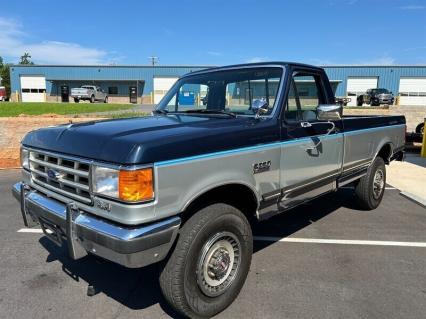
(375, 97)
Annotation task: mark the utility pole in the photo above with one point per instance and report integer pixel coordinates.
(154, 60)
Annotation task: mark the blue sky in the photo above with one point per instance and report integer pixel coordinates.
(214, 32)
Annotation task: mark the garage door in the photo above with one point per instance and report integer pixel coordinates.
(358, 86)
(412, 91)
(161, 86)
(33, 88)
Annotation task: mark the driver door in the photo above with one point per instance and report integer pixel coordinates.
(311, 154)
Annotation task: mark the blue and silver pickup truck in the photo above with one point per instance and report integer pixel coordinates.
(181, 186)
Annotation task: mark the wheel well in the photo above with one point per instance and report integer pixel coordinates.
(237, 195)
(385, 152)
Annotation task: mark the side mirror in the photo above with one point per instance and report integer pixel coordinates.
(330, 112)
(260, 106)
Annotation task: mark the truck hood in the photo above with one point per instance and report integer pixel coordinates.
(152, 139)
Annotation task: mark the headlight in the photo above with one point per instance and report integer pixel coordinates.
(25, 161)
(126, 185)
(105, 181)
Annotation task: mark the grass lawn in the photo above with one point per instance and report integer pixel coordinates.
(15, 109)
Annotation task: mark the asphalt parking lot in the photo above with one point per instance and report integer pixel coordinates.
(337, 262)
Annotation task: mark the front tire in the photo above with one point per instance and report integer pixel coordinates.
(106, 99)
(92, 99)
(371, 187)
(210, 262)
(420, 128)
(76, 100)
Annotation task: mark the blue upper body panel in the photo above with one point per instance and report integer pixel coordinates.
(152, 139)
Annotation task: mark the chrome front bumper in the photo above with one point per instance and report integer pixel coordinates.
(66, 224)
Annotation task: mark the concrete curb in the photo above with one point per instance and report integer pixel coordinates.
(414, 198)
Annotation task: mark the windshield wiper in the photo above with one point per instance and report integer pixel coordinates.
(160, 111)
(205, 111)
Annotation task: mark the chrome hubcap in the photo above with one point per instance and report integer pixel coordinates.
(218, 263)
(378, 183)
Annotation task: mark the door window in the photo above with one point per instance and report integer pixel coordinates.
(305, 94)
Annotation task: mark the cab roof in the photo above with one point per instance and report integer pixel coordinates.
(259, 64)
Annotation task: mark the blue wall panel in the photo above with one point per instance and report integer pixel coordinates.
(123, 76)
(88, 74)
(388, 75)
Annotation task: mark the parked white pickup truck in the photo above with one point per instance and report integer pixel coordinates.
(89, 92)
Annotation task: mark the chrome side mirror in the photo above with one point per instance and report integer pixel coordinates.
(329, 112)
(260, 106)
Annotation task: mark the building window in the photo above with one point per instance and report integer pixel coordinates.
(112, 90)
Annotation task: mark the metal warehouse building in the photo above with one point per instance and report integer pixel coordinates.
(148, 84)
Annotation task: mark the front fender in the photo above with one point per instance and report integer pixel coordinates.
(178, 184)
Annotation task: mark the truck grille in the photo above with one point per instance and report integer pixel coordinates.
(67, 177)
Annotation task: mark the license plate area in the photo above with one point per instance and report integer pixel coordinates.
(52, 231)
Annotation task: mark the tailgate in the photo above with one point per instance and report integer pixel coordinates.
(79, 91)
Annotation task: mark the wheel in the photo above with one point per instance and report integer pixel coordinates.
(210, 262)
(359, 102)
(420, 128)
(92, 99)
(76, 100)
(371, 187)
(106, 99)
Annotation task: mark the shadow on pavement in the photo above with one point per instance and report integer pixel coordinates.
(416, 159)
(139, 288)
(293, 220)
(134, 288)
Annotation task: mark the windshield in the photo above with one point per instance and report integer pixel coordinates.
(237, 91)
(380, 91)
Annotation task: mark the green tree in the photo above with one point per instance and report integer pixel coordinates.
(5, 75)
(26, 59)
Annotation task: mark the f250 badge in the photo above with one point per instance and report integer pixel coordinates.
(102, 205)
(261, 167)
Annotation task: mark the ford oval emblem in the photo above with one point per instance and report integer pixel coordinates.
(52, 174)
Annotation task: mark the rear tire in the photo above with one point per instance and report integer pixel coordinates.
(371, 187)
(420, 128)
(210, 262)
(92, 99)
(76, 100)
(106, 99)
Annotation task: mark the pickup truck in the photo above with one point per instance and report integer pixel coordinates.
(90, 93)
(375, 97)
(183, 185)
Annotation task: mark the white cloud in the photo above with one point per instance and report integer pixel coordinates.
(14, 42)
(413, 7)
(384, 60)
(257, 59)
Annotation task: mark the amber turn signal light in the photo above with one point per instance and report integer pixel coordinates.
(136, 186)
